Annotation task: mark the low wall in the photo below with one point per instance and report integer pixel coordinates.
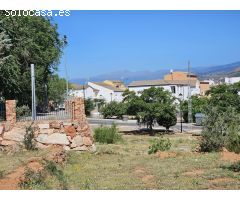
(72, 134)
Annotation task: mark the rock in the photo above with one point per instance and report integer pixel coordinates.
(7, 126)
(1, 130)
(55, 125)
(66, 148)
(8, 143)
(15, 134)
(55, 138)
(46, 131)
(70, 131)
(43, 126)
(82, 148)
(93, 148)
(67, 124)
(41, 146)
(87, 141)
(77, 141)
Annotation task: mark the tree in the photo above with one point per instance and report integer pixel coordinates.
(167, 116)
(56, 88)
(198, 105)
(113, 109)
(33, 40)
(89, 106)
(153, 104)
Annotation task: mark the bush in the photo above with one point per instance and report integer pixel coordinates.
(23, 111)
(159, 144)
(29, 138)
(33, 180)
(108, 135)
(220, 129)
(89, 106)
(113, 109)
(235, 167)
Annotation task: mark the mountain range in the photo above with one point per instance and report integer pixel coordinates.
(127, 76)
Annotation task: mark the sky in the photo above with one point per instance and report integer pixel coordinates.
(100, 42)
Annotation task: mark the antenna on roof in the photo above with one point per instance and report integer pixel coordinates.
(171, 72)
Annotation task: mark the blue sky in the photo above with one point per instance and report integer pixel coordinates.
(106, 41)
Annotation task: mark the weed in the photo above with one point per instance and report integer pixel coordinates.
(159, 144)
(28, 138)
(2, 173)
(107, 135)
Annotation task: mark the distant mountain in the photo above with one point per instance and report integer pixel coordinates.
(213, 72)
(218, 72)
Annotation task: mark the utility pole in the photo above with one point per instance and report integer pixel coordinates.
(33, 92)
(65, 63)
(189, 95)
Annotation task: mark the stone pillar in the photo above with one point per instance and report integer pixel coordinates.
(79, 117)
(78, 110)
(11, 116)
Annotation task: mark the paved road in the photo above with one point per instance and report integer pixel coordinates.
(133, 123)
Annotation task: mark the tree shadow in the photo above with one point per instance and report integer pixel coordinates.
(145, 131)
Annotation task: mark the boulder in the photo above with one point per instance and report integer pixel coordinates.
(77, 141)
(70, 131)
(8, 143)
(55, 125)
(1, 129)
(82, 148)
(46, 131)
(66, 148)
(7, 126)
(41, 146)
(87, 141)
(93, 148)
(15, 134)
(43, 126)
(55, 138)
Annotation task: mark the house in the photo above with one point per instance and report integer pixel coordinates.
(180, 76)
(176, 87)
(205, 85)
(231, 80)
(108, 90)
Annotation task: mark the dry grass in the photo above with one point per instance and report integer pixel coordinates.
(127, 165)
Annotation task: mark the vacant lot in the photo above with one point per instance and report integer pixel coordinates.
(127, 165)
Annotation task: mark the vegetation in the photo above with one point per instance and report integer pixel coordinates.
(221, 128)
(198, 106)
(152, 105)
(89, 106)
(159, 144)
(23, 110)
(113, 109)
(108, 135)
(19, 48)
(29, 138)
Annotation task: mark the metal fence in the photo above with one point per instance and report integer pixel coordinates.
(51, 112)
(2, 111)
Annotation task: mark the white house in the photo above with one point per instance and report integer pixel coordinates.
(231, 80)
(176, 87)
(107, 90)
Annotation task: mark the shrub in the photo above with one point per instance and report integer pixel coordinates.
(28, 138)
(89, 106)
(235, 167)
(23, 111)
(2, 173)
(159, 144)
(113, 109)
(107, 135)
(233, 139)
(32, 180)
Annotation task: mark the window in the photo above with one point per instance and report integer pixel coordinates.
(173, 89)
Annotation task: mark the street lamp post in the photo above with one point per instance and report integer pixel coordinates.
(180, 98)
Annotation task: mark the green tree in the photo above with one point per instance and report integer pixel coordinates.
(198, 105)
(89, 106)
(33, 40)
(153, 104)
(56, 88)
(113, 109)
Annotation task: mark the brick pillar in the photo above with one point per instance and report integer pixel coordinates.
(11, 116)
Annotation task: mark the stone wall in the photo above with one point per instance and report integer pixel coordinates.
(74, 135)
